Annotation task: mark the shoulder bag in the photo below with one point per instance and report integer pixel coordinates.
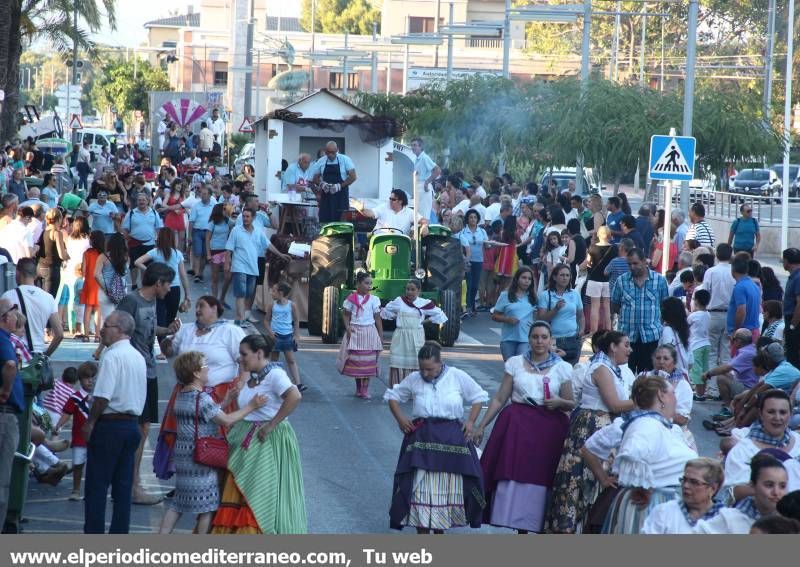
(38, 368)
(209, 451)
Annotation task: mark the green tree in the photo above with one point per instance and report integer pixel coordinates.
(25, 21)
(339, 16)
(125, 86)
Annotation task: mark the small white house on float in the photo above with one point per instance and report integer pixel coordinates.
(308, 124)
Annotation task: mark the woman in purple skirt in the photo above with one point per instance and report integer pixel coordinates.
(522, 453)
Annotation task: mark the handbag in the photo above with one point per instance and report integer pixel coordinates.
(209, 451)
(38, 368)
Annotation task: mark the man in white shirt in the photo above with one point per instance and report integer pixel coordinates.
(163, 126)
(112, 429)
(477, 186)
(426, 170)
(192, 160)
(17, 238)
(40, 308)
(700, 230)
(206, 140)
(394, 215)
(298, 174)
(34, 200)
(217, 127)
(719, 282)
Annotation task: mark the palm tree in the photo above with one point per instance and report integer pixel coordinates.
(50, 20)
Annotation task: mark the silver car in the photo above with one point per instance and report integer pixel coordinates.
(246, 156)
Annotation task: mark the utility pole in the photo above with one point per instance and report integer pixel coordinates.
(258, 82)
(585, 70)
(436, 30)
(313, 43)
(248, 63)
(688, 91)
(644, 45)
(769, 59)
(373, 82)
(615, 44)
(506, 40)
(787, 131)
(449, 75)
(74, 78)
(344, 66)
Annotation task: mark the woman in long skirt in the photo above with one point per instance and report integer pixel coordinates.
(438, 483)
(263, 492)
(522, 453)
(363, 337)
(603, 394)
(410, 311)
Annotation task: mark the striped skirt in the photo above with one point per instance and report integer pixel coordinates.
(626, 518)
(437, 501)
(359, 354)
(263, 491)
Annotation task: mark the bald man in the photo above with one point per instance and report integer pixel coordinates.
(298, 174)
(335, 173)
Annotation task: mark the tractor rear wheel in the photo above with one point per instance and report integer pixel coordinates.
(449, 302)
(444, 263)
(331, 261)
(330, 315)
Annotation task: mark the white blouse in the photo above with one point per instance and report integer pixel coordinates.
(397, 306)
(443, 398)
(274, 385)
(590, 395)
(529, 383)
(220, 346)
(728, 521)
(602, 442)
(685, 398)
(737, 463)
(668, 518)
(366, 315)
(651, 455)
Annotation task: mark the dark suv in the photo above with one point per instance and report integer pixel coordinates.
(757, 183)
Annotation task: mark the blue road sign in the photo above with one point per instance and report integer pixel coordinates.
(672, 158)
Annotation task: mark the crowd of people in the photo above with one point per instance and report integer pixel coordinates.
(571, 443)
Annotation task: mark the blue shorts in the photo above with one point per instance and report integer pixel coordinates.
(284, 343)
(199, 242)
(244, 285)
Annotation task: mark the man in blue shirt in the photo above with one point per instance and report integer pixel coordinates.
(12, 401)
(198, 227)
(791, 305)
(637, 297)
(245, 244)
(745, 304)
(103, 213)
(614, 220)
(335, 172)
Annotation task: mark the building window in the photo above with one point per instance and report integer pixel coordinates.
(335, 82)
(279, 68)
(172, 44)
(220, 78)
(420, 25)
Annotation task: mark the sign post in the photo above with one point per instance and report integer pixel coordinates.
(672, 158)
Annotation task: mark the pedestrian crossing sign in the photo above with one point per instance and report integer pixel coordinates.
(672, 158)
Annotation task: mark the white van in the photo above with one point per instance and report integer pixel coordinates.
(97, 137)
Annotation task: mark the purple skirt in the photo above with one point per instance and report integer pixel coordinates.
(437, 445)
(525, 446)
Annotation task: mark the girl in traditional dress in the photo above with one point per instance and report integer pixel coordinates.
(197, 485)
(410, 311)
(522, 453)
(264, 491)
(438, 482)
(363, 335)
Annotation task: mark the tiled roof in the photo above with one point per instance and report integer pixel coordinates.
(286, 24)
(187, 20)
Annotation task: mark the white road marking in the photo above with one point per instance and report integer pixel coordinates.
(466, 340)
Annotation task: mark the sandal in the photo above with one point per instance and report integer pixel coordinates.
(80, 337)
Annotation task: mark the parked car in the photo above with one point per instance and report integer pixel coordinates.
(700, 190)
(564, 175)
(757, 183)
(794, 177)
(246, 156)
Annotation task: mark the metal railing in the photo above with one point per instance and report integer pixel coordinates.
(723, 205)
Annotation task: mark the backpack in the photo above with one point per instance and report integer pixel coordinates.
(115, 288)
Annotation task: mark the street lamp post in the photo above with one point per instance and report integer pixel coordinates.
(688, 91)
(787, 132)
(450, 49)
(768, 61)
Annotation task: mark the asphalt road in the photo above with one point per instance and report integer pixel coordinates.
(348, 446)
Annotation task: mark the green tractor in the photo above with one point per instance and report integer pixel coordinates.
(389, 261)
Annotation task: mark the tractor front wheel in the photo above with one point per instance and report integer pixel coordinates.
(449, 302)
(330, 315)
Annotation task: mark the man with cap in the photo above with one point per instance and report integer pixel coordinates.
(736, 376)
(783, 375)
(335, 173)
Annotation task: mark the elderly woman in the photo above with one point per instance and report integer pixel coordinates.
(264, 491)
(410, 311)
(768, 482)
(652, 455)
(562, 307)
(437, 484)
(702, 478)
(603, 394)
(522, 453)
(770, 431)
